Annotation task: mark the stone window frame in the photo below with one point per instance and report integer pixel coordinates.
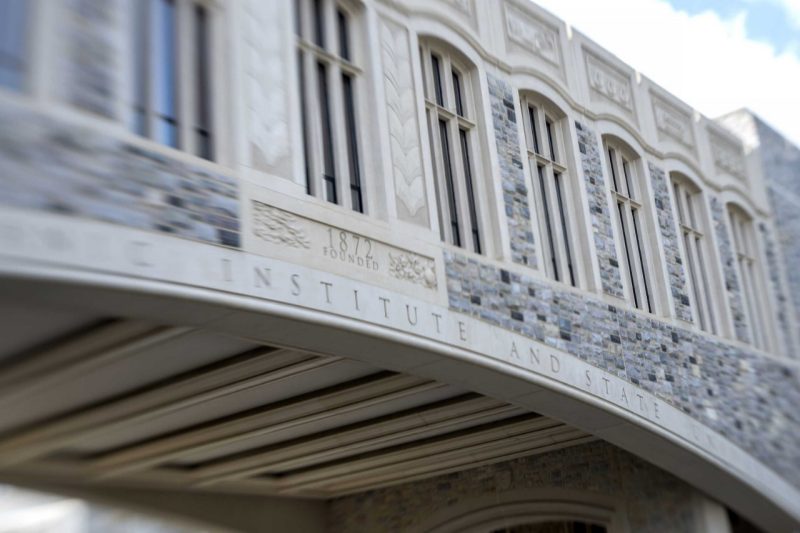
(750, 273)
(192, 119)
(632, 223)
(343, 147)
(459, 198)
(558, 235)
(694, 228)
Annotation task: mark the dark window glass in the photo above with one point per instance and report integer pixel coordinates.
(451, 190)
(628, 258)
(344, 35)
(457, 91)
(319, 24)
(352, 144)
(140, 76)
(627, 173)
(163, 60)
(613, 167)
(534, 130)
(13, 19)
(549, 126)
(437, 80)
(635, 217)
(473, 209)
(564, 230)
(548, 223)
(298, 18)
(304, 119)
(203, 100)
(328, 172)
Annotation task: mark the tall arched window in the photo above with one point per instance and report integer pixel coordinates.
(171, 38)
(744, 243)
(327, 60)
(626, 191)
(693, 229)
(451, 115)
(550, 178)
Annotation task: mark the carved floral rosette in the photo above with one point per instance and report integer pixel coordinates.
(413, 268)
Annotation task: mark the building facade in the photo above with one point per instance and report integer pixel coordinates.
(388, 265)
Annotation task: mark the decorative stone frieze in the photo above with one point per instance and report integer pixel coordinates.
(672, 122)
(670, 244)
(277, 226)
(728, 156)
(401, 104)
(726, 255)
(58, 167)
(515, 189)
(602, 228)
(724, 387)
(608, 82)
(90, 63)
(532, 34)
(414, 268)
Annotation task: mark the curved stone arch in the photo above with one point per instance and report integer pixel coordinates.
(553, 89)
(489, 512)
(737, 199)
(671, 439)
(426, 26)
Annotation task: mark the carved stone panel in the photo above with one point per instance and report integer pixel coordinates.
(728, 156)
(265, 82)
(609, 83)
(532, 35)
(672, 122)
(409, 184)
(295, 237)
(465, 8)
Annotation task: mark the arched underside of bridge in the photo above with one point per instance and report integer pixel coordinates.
(119, 384)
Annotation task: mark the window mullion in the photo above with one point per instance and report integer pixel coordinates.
(559, 241)
(314, 113)
(339, 132)
(636, 264)
(185, 79)
(692, 272)
(641, 259)
(704, 288)
(442, 186)
(459, 183)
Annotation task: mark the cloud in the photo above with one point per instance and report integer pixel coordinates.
(792, 9)
(704, 59)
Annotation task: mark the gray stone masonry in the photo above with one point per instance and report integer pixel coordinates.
(52, 166)
(655, 501)
(670, 244)
(750, 399)
(732, 285)
(780, 160)
(515, 190)
(602, 228)
(780, 297)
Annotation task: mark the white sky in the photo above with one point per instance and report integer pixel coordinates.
(705, 60)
